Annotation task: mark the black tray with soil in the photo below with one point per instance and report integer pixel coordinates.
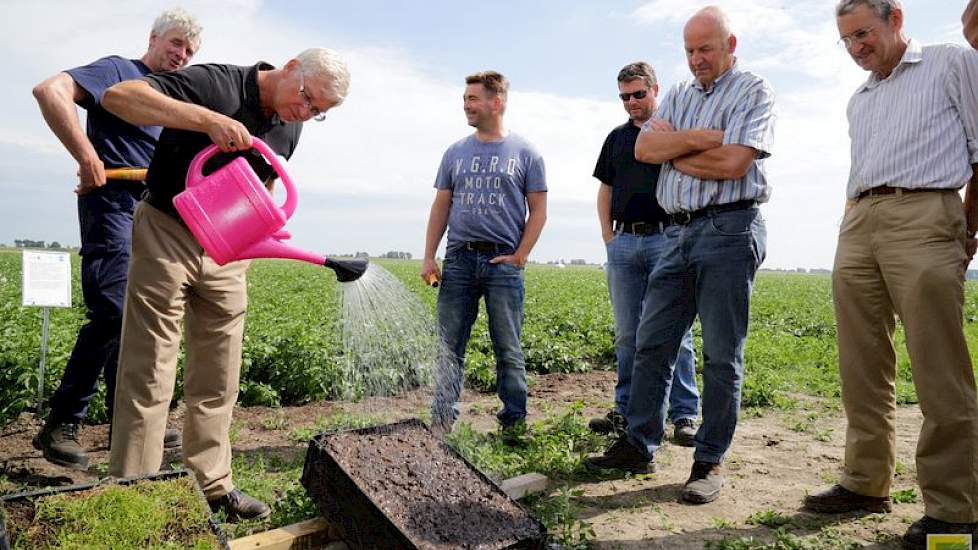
(397, 486)
(164, 510)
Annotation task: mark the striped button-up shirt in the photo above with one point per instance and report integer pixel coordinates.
(917, 128)
(741, 104)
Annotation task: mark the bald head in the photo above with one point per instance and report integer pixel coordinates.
(709, 44)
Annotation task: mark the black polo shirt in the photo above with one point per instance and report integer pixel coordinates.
(227, 89)
(633, 183)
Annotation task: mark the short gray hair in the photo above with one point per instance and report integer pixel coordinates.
(882, 8)
(178, 18)
(326, 63)
(638, 70)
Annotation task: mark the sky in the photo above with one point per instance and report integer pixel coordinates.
(365, 175)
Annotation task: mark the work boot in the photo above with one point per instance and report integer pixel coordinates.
(621, 455)
(611, 423)
(238, 505)
(58, 441)
(704, 483)
(172, 439)
(916, 535)
(684, 432)
(837, 499)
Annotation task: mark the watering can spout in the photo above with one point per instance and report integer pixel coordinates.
(346, 270)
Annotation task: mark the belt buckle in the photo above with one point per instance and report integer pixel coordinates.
(682, 218)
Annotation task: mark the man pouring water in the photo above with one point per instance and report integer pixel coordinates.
(492, 197)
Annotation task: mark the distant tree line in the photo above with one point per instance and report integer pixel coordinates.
(27, 243)
(397, 255)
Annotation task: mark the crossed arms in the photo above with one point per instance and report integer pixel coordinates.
(699, 152)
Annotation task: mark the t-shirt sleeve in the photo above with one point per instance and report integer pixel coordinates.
(604, 170)
(210, 86)
(752, 121)
(536, 173)
(97, 77)
(443, 180)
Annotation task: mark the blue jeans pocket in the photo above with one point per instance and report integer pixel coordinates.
(733, 223)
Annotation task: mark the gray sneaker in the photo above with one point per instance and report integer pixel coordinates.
(684, 432)
(58, 441)
(704, 483)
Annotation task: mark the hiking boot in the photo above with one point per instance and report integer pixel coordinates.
(684, 432)
(621, 455)
(837, 499)
(58, 441)
(514, 435)
(611, 423)
(704, 483)
(238, 505)
(916, 535)
(172, 439)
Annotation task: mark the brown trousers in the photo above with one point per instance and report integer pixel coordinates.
(173, 284)
(904, 254)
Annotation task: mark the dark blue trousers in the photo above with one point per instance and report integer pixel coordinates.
(105, 220)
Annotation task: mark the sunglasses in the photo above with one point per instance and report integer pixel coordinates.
(637, 95)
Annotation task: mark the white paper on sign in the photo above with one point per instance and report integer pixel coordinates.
(46, 279)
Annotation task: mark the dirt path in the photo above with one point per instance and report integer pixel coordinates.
(775, 459)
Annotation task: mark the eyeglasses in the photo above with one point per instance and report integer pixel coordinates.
(858, 37)
(625, 96)
(316, 114)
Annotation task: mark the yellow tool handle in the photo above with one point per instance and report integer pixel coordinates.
(131, 174)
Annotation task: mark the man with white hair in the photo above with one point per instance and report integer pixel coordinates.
(105, 210)
(173, 284)
(903, 249)
(711, 135)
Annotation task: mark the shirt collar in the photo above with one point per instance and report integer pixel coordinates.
(720, 79)
(913, 54)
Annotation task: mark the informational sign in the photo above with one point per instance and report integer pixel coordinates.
(46, 279)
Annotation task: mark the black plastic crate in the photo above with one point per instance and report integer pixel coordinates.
(5, 543)
(357, 515)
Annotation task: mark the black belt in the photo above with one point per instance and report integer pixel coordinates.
(484, 246)
(684, 218)
(640, 228)
(888, 190)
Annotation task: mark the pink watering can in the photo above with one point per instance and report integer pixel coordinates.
(234, 217)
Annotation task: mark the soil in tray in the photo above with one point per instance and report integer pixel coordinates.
(161, 514)
(430, 494)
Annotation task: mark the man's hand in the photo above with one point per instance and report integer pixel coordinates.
(511, 259)
(91, 175)
(970, 246)
(606, 236)
(228, 134)
(429, 266)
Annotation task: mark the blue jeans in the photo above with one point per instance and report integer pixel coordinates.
(631, 259)
(706, 268)
(105, 219)
(467, 276)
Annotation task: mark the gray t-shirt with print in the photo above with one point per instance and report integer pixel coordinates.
(489, 183)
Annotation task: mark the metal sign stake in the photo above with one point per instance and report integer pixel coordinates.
(46, 318)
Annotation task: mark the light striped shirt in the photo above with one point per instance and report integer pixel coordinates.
(918, 128)
(741, 104)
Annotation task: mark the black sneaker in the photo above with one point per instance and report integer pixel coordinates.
(611, 423)
(704, 483)
(684, 432)
(172, 439)
(58, 441)
(238, 505)
(916, 535)
(621, 455)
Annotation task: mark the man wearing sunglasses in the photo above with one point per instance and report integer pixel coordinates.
(711, 135)
(903, 249)
(173, 284)
(632, 225)
(969, 19)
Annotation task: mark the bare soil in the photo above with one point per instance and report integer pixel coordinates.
(431, 496)
(775, 460)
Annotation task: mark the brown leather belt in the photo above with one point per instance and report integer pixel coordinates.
(889, 190)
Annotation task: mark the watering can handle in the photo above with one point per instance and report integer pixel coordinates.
(195, 174)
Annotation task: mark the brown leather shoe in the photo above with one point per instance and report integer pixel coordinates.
(239, 505)
(916, 535)
(838, 499)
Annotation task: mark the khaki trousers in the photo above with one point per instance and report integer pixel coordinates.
(172, 283)
(904, 254)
